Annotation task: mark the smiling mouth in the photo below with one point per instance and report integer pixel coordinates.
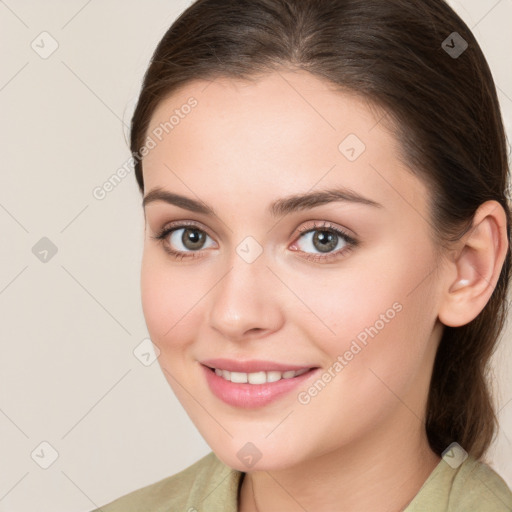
(261, 377)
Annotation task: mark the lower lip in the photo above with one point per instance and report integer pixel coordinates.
(248, 396)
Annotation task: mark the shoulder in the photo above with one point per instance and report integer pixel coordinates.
(473, 485)
(478, 487)
(183, 491)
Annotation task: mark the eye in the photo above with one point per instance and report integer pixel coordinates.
(188, 241)
(183, 241)
(189, 238)
(329, 242)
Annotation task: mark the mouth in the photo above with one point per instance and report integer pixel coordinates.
(261, 383)
(260, 377)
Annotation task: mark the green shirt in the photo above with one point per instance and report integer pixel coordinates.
(209, 485)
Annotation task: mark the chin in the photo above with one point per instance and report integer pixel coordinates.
(247, 456)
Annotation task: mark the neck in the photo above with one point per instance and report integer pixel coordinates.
(383, 473)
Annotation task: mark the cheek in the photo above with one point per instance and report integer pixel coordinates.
(374, 364)
(343, 304)
(168, 300)
(155, 302)
(378, 314)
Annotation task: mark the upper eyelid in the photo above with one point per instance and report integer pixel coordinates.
(183, 224)
(180, 224)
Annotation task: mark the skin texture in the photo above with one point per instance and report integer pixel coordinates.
(360, 443)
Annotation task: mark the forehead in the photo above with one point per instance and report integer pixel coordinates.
(297, 101)
(286, 131)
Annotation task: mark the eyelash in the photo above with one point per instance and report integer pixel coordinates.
(351, 242)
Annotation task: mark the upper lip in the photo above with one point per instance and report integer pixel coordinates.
(252, 366)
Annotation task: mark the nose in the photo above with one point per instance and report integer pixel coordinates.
(242, 304)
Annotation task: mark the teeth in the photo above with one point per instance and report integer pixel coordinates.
(238, 377)
(258, 377)
(273, 376)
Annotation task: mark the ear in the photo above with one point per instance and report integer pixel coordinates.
(474, 268)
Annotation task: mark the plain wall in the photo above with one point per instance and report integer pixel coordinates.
(69, 325)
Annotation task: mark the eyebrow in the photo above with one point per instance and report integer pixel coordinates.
(280, 207)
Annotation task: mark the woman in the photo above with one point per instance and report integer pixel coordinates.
(326, 254)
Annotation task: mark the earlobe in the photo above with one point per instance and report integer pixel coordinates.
(476, 266)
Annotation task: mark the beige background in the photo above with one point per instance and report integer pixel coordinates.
(69, 326)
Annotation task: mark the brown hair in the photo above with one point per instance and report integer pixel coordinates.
(442, 107)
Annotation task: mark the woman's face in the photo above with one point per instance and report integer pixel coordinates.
(342, 284)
